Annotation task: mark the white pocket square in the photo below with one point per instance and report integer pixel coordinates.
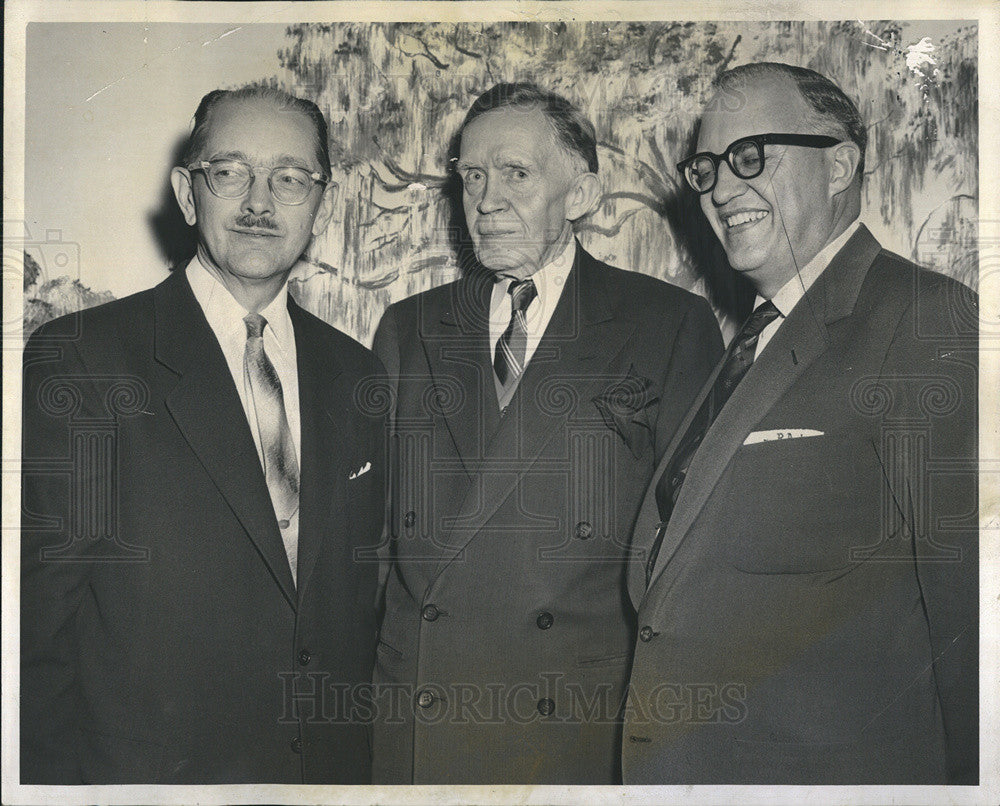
(360, 471)
(780, 433)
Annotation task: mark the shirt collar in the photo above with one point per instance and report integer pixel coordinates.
(792, 291)
(225, 314)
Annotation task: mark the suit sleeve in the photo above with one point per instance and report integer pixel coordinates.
(697, 347)
(54, 575)
(931, 370)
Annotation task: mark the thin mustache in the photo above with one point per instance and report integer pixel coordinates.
(255, 222)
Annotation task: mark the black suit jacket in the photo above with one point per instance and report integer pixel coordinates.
(811, 614)
(162, 638)
(507, 635)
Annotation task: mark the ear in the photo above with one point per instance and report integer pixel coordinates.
(584, 193)
(325, 210)
(845, 158)
(180, 180)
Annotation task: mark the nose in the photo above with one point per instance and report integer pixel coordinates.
(727, 185)
(492, 199)
(258, 199)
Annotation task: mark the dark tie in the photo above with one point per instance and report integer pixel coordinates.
(281, 468)
(508, 360)
(737, 361)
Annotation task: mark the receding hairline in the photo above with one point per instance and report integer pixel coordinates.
(275, 104)
(276, 100)
(779, 78)
(573, 158)
(807, 83)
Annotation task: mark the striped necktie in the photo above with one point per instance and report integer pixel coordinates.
(281, 468)
(737, 362)
(508, 360)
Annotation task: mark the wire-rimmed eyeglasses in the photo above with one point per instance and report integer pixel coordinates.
(745, 157)
(230, 179)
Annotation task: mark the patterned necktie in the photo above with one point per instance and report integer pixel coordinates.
(281, 468)
(508, 361)
(737, 362)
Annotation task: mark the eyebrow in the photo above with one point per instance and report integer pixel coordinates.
(505, 162)
(288, 159)
(281, 160)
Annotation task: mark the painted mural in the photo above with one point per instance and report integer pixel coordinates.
(395, 95)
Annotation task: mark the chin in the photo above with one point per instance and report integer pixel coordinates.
(497, 261)
(257, 270)
(746, 260)
(742, 262)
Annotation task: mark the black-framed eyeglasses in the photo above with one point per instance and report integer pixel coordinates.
(230, 179)
(745, 157)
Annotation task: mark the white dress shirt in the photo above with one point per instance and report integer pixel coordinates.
(225, 317)
(549, 283)
(791, 292)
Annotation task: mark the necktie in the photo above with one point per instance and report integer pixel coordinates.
(737, 362)
(508, 360)
(281, 469)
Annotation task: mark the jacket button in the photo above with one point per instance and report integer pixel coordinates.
(584, 531)
(646, 634)
(546, 706)
(296, 745)
(425, 699)
(305, 656)
(430, 613)
(409, 519)
(544, 620)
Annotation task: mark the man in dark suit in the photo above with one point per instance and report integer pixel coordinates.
(531, 400)
(806, 564)
(196, 483)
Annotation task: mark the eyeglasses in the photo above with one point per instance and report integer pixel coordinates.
(230, 179)
(745, 157)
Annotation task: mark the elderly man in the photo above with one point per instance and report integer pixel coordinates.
(531, 401)
(806, 564)
(196, 481)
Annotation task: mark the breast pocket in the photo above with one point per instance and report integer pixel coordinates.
(809, 504)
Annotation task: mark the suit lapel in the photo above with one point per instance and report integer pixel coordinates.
(456, 345)
(800, 340)
(645, 533)
(324, 466)
(582, 338)
(207, 409)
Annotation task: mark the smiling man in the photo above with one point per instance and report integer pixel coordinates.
(196, 479)
(532, 398)
(806, 557)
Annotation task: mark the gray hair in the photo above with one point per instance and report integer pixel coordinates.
(572, 128)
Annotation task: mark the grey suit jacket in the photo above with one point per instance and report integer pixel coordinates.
(810, 613)
(507, 634)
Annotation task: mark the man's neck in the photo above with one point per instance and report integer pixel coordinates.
(253, 295)
(552, 253)
(769, 284)
(799, 281)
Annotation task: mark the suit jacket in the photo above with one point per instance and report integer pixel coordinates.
(507, 634)
(162, 637)
(811, 614)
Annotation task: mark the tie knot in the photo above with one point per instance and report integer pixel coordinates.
(255, 325)
(763, 315)
(522, 292)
